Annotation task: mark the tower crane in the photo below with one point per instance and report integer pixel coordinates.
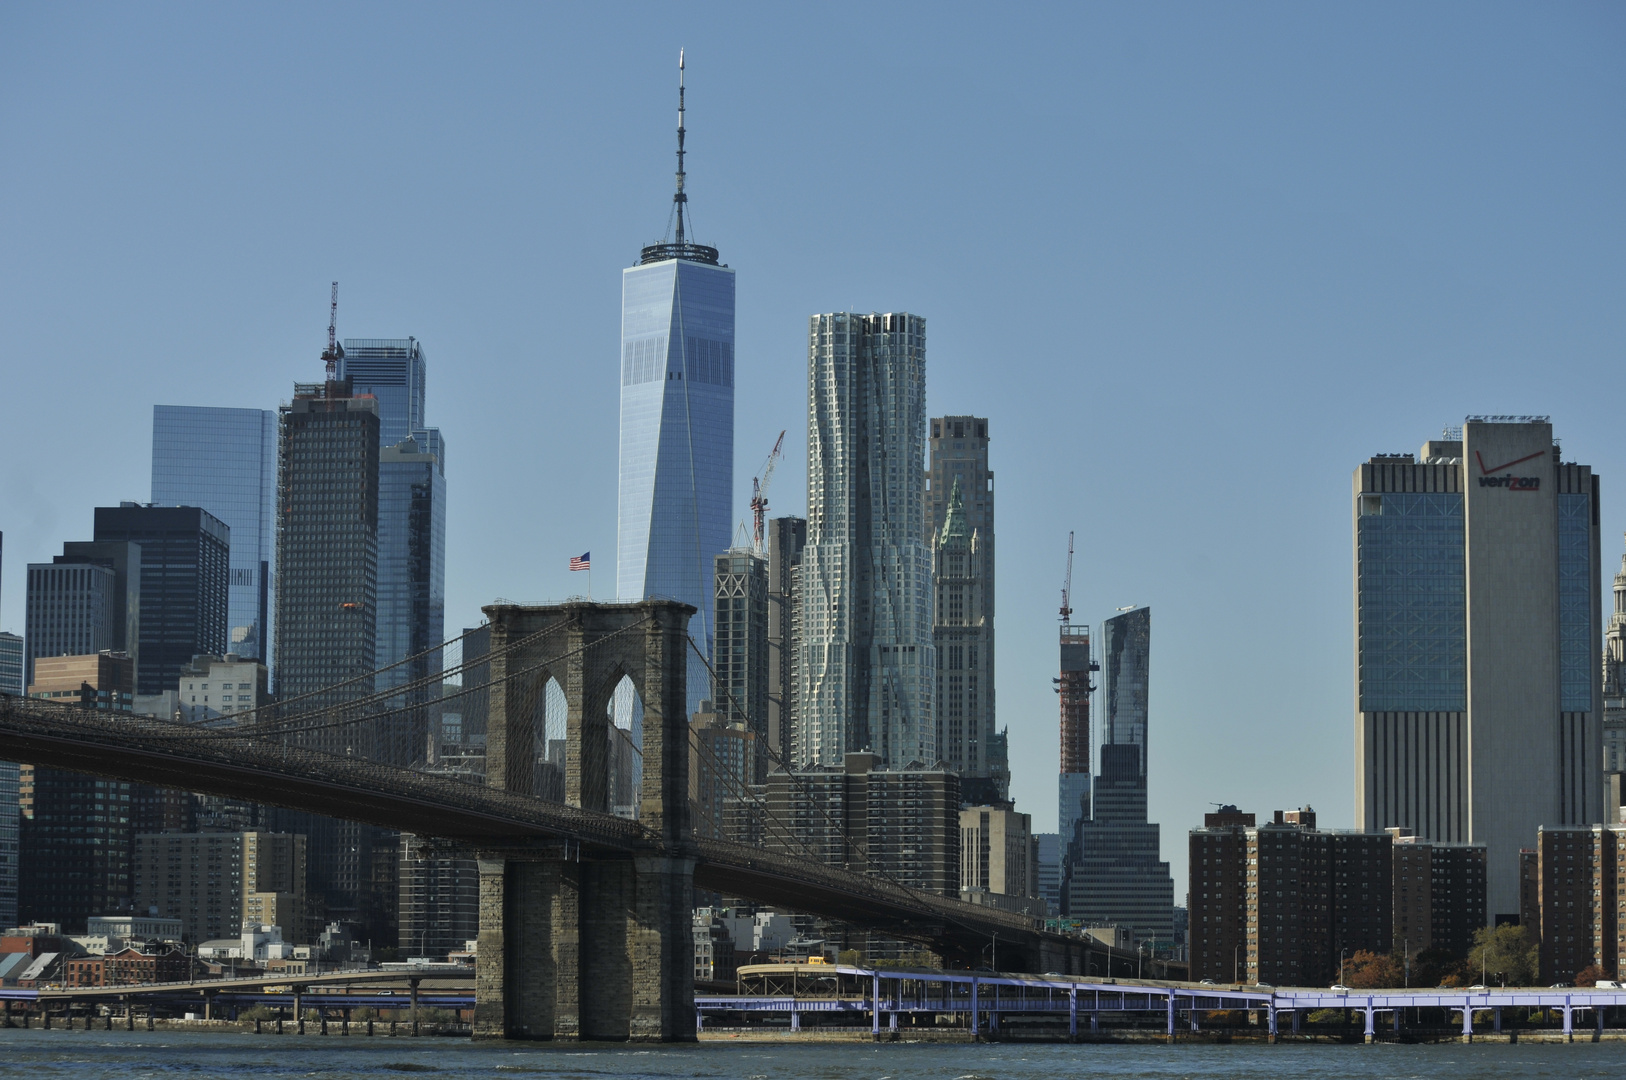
(759, 494)
(331, 354)
(1067, 585)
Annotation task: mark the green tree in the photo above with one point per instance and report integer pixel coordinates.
(1504, 953)
(1434, 966)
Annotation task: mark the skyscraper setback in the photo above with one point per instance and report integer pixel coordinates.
(185, 571)
(1116, 873)
(677, 423)
(410, 613)
(960, 528)
(84, 601)
(866, 674)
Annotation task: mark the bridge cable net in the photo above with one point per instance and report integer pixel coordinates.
(779, 832)
(408, 725)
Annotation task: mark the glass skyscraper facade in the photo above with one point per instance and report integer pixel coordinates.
(677, 435)
(185, 555)
(1114, 869)
(225, 461)
(1478, 697)
(1126, 652)
(11, 664)
(10, 821)
(327, 555)
(411, 518)
(411, 579)
(1413, 605)
(393, 371)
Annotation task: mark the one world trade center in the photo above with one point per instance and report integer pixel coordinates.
(677, 423)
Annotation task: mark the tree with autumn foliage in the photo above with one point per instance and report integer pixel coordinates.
(1589, 976)
(1372, 971)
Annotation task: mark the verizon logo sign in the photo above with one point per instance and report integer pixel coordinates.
(1508, 480)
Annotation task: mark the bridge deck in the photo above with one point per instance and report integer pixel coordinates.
(222, 762)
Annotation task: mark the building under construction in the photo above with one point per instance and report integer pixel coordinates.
(1073, 686)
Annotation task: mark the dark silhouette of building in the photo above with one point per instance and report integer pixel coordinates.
(185, 585)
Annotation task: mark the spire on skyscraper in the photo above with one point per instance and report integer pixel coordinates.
(954, 520)
(680, 248)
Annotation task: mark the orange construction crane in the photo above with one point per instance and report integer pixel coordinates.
(759, 495)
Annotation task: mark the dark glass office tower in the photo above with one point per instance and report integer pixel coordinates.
(76, 829)
(327, 596)
(1115, 873)
(327, 554)
(411, 583)
(1125, 680)
(786, 538)
(225, 461)
(740, 690)
(185, 573)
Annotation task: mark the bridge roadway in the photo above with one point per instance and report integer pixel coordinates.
(984, 997)
(488, 819)
(245, 984)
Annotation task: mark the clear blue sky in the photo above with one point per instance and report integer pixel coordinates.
(1195, 262)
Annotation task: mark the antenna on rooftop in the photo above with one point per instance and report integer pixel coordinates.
(679, 198)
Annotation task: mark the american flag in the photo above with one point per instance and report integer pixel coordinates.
(581, 562)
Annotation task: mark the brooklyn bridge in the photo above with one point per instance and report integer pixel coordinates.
(585, 916)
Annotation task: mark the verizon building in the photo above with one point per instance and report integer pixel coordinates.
(1477, 627)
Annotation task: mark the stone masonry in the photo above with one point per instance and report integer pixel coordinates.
(578, 942)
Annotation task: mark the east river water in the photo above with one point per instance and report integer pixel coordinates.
(141, 1055)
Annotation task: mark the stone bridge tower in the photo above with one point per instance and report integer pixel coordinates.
(585, 943)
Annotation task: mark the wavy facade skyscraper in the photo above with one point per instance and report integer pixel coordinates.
(677, 425)
(866, 674)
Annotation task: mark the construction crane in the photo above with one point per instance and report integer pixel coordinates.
(1067, 586)
(331, 355)
(759, 495)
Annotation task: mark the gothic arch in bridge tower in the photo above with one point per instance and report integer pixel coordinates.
(577, 942)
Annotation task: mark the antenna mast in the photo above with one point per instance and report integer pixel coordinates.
(678, 197)
(681, 247)
(1067, 586)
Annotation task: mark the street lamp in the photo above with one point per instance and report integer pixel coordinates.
(1236, 964)
(1341, 954)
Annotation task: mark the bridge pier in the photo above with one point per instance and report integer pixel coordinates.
(595, 944)
(596, 950)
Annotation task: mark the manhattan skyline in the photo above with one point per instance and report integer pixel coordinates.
(1190, 268)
